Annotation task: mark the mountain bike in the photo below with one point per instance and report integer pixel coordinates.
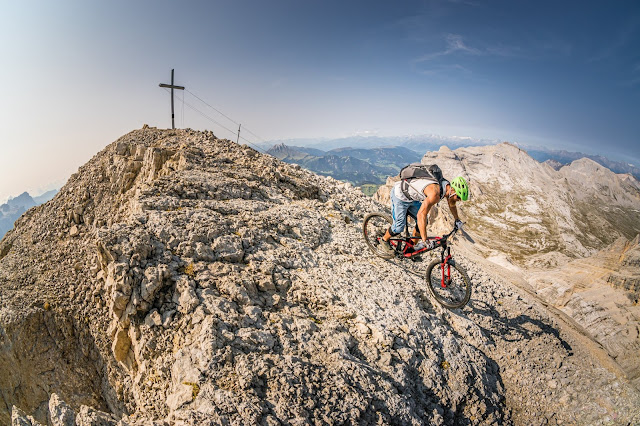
(447, 281)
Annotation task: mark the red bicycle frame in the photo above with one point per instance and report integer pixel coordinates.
(445, 261)
(409, 244)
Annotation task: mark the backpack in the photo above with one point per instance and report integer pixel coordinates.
(419, 170)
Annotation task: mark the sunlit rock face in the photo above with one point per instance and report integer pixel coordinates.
(571, 230)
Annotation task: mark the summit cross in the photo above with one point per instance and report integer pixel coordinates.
(172, 86)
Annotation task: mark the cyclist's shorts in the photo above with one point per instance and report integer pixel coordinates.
(399, 211)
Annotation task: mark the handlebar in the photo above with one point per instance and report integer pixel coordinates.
(445, 237)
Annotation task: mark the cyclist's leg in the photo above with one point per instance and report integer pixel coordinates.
(399, 213)
(413, 212)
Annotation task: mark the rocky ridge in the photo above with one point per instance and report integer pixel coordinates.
(601, 293)
(183, 279)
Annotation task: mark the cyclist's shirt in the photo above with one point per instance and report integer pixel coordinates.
(416, 189)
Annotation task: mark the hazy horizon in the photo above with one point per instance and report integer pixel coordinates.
(462, 140)
(312, 142)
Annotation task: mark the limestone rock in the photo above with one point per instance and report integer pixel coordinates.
(153, 319)
(182, 395)
(20, 418)
(211, 284)
(87, 416)
(60, 414)
(185, 295)
(601, 293)
(228, 248)
(121, 345)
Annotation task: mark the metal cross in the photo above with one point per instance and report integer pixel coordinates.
(172, 86)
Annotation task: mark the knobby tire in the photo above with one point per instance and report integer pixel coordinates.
(457, 293)
(373, 228)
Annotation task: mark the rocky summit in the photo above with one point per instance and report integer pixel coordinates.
(178, 278)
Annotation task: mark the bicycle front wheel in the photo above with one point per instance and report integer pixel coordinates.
(373, 229)
(449, 284)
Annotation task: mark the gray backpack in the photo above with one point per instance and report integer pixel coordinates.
(419, 170)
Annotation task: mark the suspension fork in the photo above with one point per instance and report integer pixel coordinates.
(446, 276)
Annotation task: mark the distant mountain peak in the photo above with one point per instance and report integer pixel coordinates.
(13, 209)
(588, 165)
(509, 146)
(24, 196)
(22, 200)
(567, 157)
(280, 146)
(556, 165)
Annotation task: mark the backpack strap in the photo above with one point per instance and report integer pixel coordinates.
(443, 187)
(404, 187)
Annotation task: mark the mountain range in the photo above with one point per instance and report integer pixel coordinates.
(417, 143)
(15, 207)
(567, 157)
(359, 166)
(387, 155)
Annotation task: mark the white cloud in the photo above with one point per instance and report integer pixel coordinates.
(455, 44)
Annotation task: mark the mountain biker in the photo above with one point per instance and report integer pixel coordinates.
(421, 195)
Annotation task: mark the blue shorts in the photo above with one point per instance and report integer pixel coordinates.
(400, 209)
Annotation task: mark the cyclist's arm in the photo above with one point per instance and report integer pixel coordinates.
(432, 197)
(453, 208)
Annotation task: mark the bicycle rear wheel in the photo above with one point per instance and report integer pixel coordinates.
(373, 229)
(451, 289)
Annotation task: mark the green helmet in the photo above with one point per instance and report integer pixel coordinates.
(461, 188)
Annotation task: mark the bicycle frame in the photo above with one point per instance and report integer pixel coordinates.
(446, 278)
(441, 242)
(407, 250)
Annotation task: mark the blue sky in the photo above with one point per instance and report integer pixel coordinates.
(79, 74)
